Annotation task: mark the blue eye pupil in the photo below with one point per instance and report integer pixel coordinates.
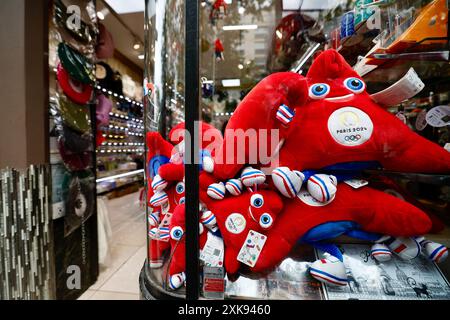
(355, 84)
(320, 89)
(257, 202)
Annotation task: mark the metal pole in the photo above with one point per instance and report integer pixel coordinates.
(192, 92)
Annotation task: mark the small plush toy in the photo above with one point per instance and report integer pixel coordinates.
(218, 11)
(162, 199)
(324, 119)
(237, 216)
(177, 262)
(218, 50)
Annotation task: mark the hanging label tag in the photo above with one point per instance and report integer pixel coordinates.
(356, 183)
(213, 251)
(166, 220)
(252, 247)
(438, 116)
(213, 282)
(407, 87)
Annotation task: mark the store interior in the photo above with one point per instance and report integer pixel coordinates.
(94, 190)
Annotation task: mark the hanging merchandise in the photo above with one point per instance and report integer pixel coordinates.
(207, 88)
(218, 11)
(105, 43)
(74, 161)
(77, 66)
(104, 107)
(74, 142)
(75, 116)
(80, 200)
(218, 50)
(77, 91)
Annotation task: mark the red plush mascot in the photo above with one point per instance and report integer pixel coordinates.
(324, 119)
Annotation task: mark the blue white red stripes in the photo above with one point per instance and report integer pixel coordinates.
(215, 192)
(376, 252)
(153, 219)
(287, 182)
(323, 187)
(437, 254)
(326, 277)
(207, 218)
(252, 177)
(159, 199)
(159, 183)
(234, 187)
(164, 233)
(285, 114)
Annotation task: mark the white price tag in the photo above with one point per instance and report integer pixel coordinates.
(251, 248)
(213, 252)
(407, 87)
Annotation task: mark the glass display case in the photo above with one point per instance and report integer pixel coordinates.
(297, 149)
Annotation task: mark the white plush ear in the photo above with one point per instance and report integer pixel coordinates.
(208, 164)
(158, 183)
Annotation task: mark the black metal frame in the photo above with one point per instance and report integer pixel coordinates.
(192, 99)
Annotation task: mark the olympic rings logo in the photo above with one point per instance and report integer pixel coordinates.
(352, 138)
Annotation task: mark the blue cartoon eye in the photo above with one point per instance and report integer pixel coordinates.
(182, 200)
(257, 201)
(354, 84)
(265, 221)
(176, 233)
(179, 187)
(319, 91)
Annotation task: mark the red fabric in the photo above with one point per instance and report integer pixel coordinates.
(178, 248)
(78, 92)
(308, 142)
(218, 45)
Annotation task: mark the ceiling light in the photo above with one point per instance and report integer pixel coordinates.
(231, 82)
(228, 1)
(128, 6)
(240, 66)
(241, 10)
(136, 45)
(100, 15)
(141, 57)
(241, 27)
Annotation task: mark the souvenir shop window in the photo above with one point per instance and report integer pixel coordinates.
(345, 195)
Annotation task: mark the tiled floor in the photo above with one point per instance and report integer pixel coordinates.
(118, 280)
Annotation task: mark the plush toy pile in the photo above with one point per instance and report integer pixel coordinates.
(327, 124)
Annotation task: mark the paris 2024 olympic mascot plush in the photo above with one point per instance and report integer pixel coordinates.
(328, 121)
